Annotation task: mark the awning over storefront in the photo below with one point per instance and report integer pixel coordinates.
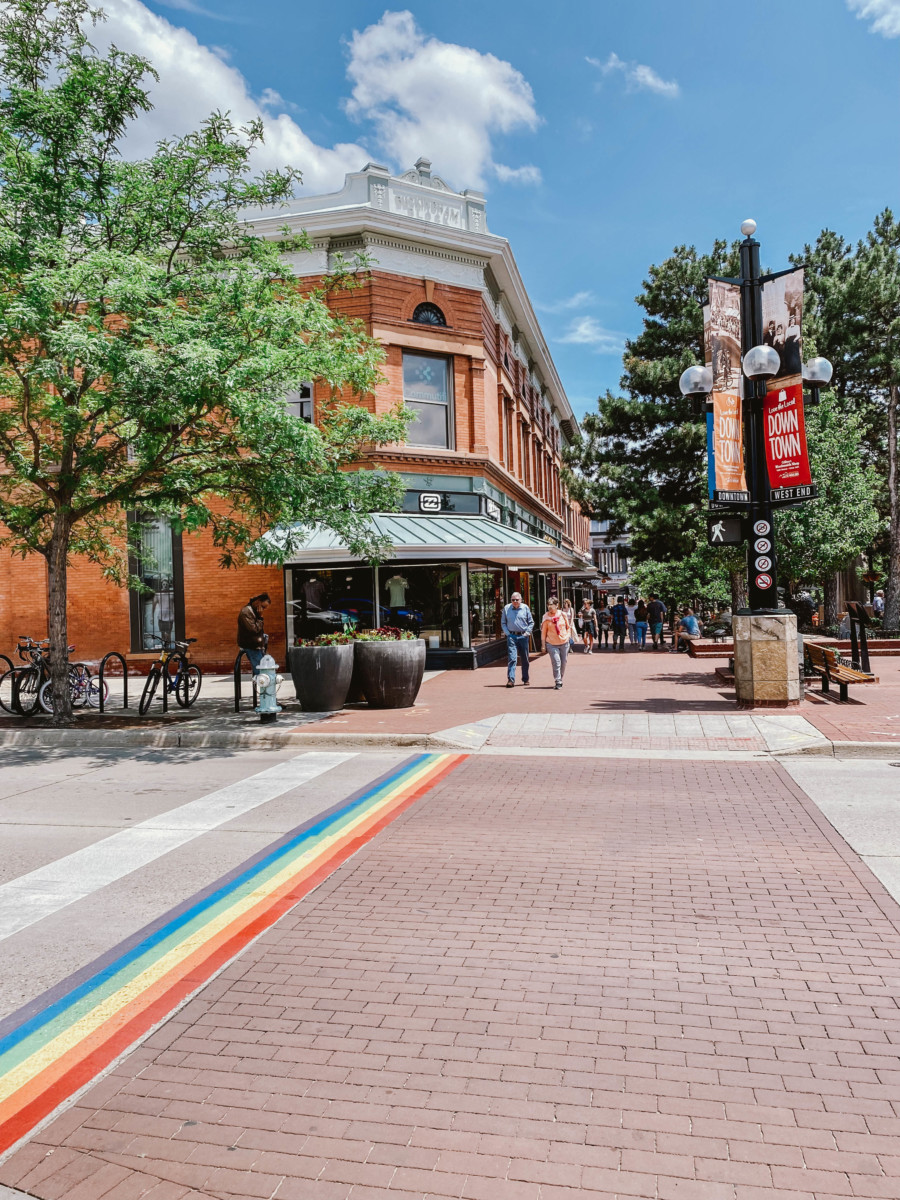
(434, 538)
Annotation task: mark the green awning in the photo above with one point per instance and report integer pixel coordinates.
(435, 538)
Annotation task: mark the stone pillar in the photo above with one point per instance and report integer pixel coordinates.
(766, 672)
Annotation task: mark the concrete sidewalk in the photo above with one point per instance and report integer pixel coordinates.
(653, 703)
(550, 979)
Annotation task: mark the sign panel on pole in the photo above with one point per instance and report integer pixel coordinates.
(724, 531)
(784, 433)
(782, 314)
(722, 351)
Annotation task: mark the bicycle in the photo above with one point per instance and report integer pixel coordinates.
(23, 690)
(184, 681)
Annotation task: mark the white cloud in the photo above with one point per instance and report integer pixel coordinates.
(884, 15)
(197, 9)
(438, 99)
(194, 80)
(578, 300)
(638, 76)
(587, 331)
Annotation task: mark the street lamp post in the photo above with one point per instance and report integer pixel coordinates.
(758, 677)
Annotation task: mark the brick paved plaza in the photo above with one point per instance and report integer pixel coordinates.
(550, 978)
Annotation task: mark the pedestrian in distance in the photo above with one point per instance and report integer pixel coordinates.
(517, 624)
(569, 613)
(688, 628)
(656, 615)
(619, 623)
(251, 633)
(641, 621)
(878, 603)
(604, 625)
(555, 631)
(631, 608)
(587, 624)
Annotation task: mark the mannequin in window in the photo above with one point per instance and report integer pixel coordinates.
(396, 589)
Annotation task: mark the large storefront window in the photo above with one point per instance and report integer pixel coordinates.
(424, 599)
(157, 609)
(485, 603)
(426, 390)
(330, 601)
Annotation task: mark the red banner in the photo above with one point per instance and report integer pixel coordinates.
(787, 458)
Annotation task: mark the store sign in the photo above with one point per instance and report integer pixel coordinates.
(784, 431)
(430, 502)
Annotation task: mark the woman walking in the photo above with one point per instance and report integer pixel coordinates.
(569, 613)
(641, 621)
(555, 633)
(587, 623)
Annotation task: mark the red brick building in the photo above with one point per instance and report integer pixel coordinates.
(485, 510)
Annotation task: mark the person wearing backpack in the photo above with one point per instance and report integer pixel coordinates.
(640, 624)
(619, 623)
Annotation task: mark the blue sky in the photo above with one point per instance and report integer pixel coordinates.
(604, 133)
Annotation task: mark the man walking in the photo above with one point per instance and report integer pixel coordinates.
(517, 623)
(656, 615)
(619, 623)
(251, 634)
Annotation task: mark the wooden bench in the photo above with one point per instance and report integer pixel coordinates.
(823, 661)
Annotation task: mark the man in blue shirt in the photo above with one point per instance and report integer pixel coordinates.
(689, 627)
(517, 623)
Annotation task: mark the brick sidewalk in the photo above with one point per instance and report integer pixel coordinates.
(550, 979)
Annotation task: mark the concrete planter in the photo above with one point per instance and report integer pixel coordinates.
(321, 676)
(390, 673)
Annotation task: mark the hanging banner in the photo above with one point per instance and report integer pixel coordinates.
(784, 432)
(782, 316)
(710, 457)
(722, 351)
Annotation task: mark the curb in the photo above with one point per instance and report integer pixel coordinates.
(165, 739)
(842, 750)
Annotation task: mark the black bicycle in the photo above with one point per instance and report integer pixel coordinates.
(24, 690)
(177, 673)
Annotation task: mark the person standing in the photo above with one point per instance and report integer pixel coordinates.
(640, 624)
(630, 608)
(619, 623)
(251, 634)
(587, 621)
(569, 613)
(555, 631)
(517, 623)
(878, 603)
(656, 615)
(604, 624)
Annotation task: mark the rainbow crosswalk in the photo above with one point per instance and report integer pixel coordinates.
(49, 1055)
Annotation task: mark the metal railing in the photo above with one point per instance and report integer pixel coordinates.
(103, 662)
(237, 681)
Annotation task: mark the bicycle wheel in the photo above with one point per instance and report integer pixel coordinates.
(92, 695)
(79, 683)
(188, 687)
(45, 695)
(26, 691)
(150, 687)
(7, 690)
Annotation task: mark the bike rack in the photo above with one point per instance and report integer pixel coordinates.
(103, 662)
(237, 681)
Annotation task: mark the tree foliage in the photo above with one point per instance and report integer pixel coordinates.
(147, 336)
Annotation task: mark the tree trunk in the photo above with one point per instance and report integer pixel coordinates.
(830, 590)
(739, 595)
(59, 628)
(892, 592)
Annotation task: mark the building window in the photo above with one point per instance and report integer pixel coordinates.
(427, 391)
(428, 314)
(300, 403)
(157, 608)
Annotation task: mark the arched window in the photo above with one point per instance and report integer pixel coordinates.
(428, 314)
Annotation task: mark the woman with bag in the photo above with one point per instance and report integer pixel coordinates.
(641, 620)
(587, 624)
(555, 633)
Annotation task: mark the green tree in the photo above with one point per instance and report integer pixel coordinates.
(823, 536)
(853, 316)
(641, 462)
(704, 573)
(147, 338)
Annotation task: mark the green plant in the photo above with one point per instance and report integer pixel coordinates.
(385, 633)
(327, 639)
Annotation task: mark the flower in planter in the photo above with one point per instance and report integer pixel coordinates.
(385, 633)
(327, 639)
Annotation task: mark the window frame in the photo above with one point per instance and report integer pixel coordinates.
(449, 407)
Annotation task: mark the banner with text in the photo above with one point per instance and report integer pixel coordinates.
(787, 457)
(722, 351)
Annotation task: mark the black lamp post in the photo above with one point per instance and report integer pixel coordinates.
(759, 363)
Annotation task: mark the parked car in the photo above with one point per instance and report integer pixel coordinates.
(316, 621)
(358, 612)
